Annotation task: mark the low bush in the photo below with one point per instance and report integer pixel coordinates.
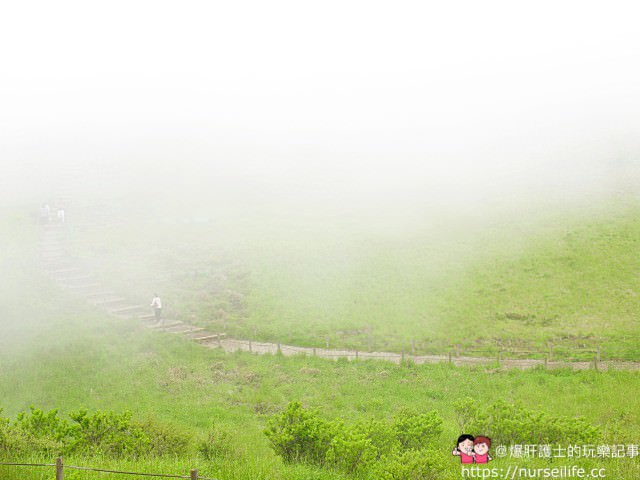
(99, 433)
(513, 423)
(373, 447)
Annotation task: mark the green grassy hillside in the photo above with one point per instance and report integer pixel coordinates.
(516, 283)
(80, 358)
(57, 352)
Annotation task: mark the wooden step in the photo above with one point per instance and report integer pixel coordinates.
(184, 329)
(181, 329)
(210, 337)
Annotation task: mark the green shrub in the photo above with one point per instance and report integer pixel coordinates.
(417, 430)
(39, 431)
(99, 433)
(351, 450)
(107, 433)
(299, 435)
(510, 423)
(426, 464)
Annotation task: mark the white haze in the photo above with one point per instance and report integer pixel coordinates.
(352, 104)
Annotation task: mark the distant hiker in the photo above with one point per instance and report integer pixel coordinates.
(156, 304)
(45, 213)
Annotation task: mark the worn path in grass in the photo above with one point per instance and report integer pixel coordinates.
(60, 265)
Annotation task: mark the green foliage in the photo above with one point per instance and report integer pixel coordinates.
(109, 434)
(351, 450)
(300, 435)
(417, 430)
(513, 423)
(105, 434)
(40, 431)
(424, 464)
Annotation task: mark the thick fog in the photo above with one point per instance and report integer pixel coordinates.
(343, 103)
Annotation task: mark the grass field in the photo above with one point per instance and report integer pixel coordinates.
(58, 352)
(97, 362)
(516, 283)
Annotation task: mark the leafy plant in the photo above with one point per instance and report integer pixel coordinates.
(299, 435)
(513, 423)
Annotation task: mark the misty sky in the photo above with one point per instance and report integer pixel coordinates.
(384, 93)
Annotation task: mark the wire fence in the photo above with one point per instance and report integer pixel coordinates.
(60, 468)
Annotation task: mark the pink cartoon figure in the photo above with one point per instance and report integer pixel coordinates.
(481, 446)
(464, 448)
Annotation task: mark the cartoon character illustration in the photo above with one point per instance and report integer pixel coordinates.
(464, 448)
(481, 447)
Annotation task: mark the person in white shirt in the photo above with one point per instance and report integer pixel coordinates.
(156, 304)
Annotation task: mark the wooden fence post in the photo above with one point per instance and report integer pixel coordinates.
(598, 352)
(595, 362)
(550, 352)
(250, 348)
(356, 354)
(59, 469)
(314, 351)
(194, 474)
(449, 357)
(498, 358)
(546, 362)
(219, 339)
(457, 349)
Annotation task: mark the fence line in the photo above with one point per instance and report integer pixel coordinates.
(59, 466)
(500, 358)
